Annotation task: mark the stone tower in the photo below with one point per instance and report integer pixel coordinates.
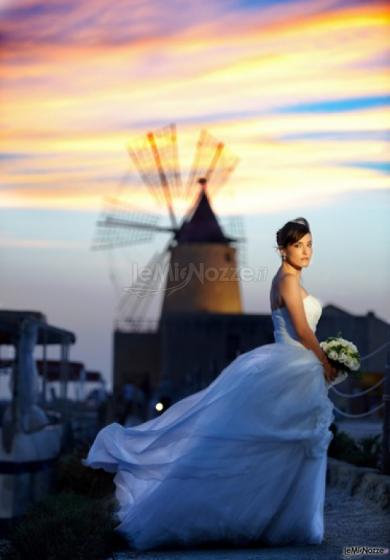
(202, 273)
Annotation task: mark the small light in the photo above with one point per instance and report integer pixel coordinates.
(159, 406)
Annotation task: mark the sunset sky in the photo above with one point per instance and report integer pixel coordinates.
(298, 90)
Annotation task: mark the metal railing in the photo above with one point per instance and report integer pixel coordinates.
(385, 460)
(365, 391)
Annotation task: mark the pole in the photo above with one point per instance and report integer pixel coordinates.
(385, 467)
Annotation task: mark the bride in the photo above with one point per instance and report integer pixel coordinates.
(242, 461)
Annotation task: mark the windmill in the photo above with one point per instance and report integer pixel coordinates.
(197, 268)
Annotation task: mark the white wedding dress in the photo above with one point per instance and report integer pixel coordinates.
(241, 461)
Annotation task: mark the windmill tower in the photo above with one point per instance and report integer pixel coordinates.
(200, 259)
(203, 266)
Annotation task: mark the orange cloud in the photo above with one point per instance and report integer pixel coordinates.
(71, 108)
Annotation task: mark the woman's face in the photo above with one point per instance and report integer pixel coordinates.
(299, 254)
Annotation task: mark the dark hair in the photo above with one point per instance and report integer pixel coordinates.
(292, 232)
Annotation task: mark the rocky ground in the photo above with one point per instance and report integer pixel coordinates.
(349, 520)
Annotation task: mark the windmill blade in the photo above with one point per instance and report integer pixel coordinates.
(147, 293)
(242, 249)
(234, 227)
(195, 172)
(213, 161)
(139, 295)
(166, 140)
(221, 174)
(125, 223)
(141, 161)
(120, 225)
(163, 178)
(157, 161)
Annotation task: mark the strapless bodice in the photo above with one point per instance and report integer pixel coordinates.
(284, 330)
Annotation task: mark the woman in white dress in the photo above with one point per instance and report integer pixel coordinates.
(242, 461)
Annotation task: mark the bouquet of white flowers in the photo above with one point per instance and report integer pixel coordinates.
(343, 355)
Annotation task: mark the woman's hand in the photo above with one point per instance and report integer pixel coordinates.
(330, 372)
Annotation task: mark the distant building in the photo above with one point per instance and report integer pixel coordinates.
(188, 350)
(368, 332)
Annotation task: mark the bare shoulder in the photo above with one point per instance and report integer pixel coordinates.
(288, 279)
(281, 276)
(289, 289)
(285, 287)
(291, 293)
(289, 275)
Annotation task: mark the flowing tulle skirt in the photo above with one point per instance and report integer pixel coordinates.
(241, 461)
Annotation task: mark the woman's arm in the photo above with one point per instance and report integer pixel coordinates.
(291, 293)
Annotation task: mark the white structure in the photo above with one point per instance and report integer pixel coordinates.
(30, 440)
